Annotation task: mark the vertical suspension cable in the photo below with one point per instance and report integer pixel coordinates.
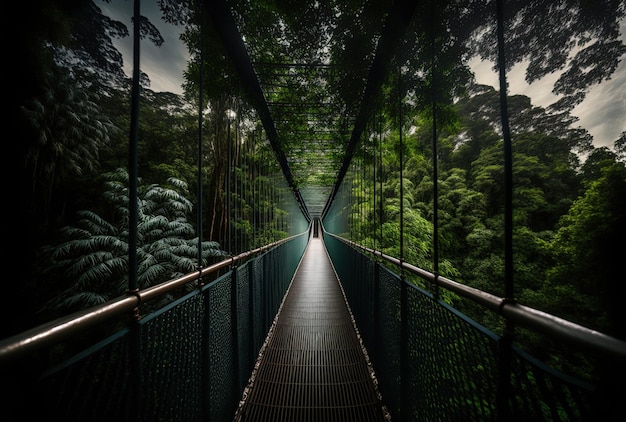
(508, 160)
(253, 176)
(242, 188)
(365, 187)
(504, 391)
(362, 196)
(262, 211)
(228, 188)
(369, 180)
(350, 196)
(372, 180)
(272, 216)
(266, 196)
(199, 180)
(404, 293)
(270, 203)
(352, 199)
(233, 182)
(372, 183)
(435, 165)
(241, 179)
(236, 186)
(355, 197)
(381, 176)
(364, 199)
(257, 184)
(279, 205)
(279, 208)
(401, 166)
(275, 193)
(248, 188)
(133, 204)
(376, 276)
(234, 219)
(133, 219)
(206, 368)
(259, 187)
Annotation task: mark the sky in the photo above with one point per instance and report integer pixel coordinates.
(602, 113)
(165, 64)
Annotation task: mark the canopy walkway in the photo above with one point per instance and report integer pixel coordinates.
(313, 366)
(297, 321)
(279, 337)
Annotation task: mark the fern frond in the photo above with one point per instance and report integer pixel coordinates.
(152, 275)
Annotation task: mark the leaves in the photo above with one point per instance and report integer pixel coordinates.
(94, 258)
(578, 40)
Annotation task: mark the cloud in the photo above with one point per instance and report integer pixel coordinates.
(602, 113)
(164, 65)
(539, 91)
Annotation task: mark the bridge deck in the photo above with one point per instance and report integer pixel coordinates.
(312, 366)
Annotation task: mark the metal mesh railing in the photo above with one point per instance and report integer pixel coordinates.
(452, 362)
(187, 361)
(434, 363)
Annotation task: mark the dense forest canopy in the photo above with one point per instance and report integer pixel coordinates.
(72, 115)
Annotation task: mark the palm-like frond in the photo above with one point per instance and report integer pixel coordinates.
(95, 224)
(149, 275)
(94, 275)
(94, 253)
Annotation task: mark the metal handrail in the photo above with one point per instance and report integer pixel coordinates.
(585, 338)
(61, 328)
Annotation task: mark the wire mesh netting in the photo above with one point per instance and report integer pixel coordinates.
(191, 360)
(434, 363)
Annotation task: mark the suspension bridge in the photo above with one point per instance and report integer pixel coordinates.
(310, 327)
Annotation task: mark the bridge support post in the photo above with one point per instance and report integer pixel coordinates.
(205, 376)
(503, 393)
(237, 385)
(404, 352)
(251, 308)
(376, 327)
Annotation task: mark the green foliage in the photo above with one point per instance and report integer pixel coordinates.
(70, 131)
(90, 261)
(569, 219)
(589, 249)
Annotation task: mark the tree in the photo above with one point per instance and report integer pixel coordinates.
(590, 250)
(70, 131)
(577, 39)
(620, 147)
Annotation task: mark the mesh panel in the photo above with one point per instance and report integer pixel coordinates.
(453, 371)
(93, 386)
(387, 365)
(222, 370)
(541, 394)
(171, 361)
(192, 360)
(452, 363)
(259, 329)
(244, 325)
